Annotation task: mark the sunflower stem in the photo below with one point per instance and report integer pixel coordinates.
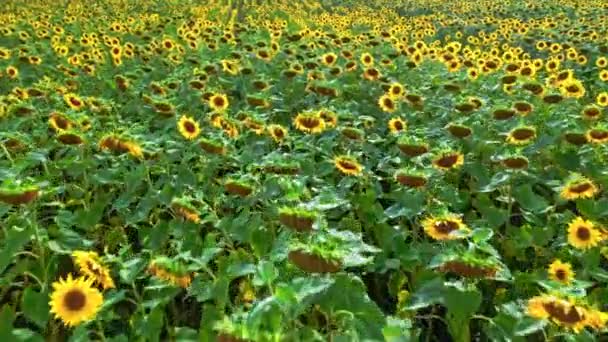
(8, 155)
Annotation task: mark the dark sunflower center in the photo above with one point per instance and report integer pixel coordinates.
(523, 134)
(572, 89)
(600, 135)
(396, 90)
(278, 133)
(372, 72)
(190, 127)
(502, 114)
(329, 59)
(592, 112)
(310, 122)
(579, 188)
(523, 107)
(218, 101)
(75, 102)
(563, 314)
(516, 163)
(74, 300)
(398, 125)
(560, 274)
(345, 164)
(447, 161)
(583, 233)
(446, 227)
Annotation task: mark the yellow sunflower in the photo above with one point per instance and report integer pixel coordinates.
(75, 300)
(562, 312)
(90, 265)
(397, 125)
(521, 135)
(188, 127)
(218, 102)
(309, 123)
(396, 90)
(329, 58)
(60, 122)
(387, 103)
(582, 234)
(73, 101)
(602, 99)
(448, 160)
(277, 132)
(444, 227)
(572, 88)
(561, 272)
(597, 135)
(579, 187)
(348, 165)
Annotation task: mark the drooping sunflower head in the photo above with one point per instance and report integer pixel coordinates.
(582, 234)
(91, 266)
(411, 179)
(448, 160)
(444, 227)
(591, 112)
(561, 272)
(75, 301)
(59, 122)
(188, 127)
(579, 187)
(170, 271)
(330, 117)
(348, 165)
(560, 311)
(597, 135)
(521, 135)
(310, 123)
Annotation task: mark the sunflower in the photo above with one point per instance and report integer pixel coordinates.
(521, 135)
(309, 123)
(366, 59)
(73, 101)
(172, 273)
(387, 103)
(60, 122)
(601, 62)
(12, 72)
(591, 112)
(188, 127)
(562, 312)
(397, 125)
(348, 165)
(75, 300)
(396, 90)
(579, 187)
(561, 272)
(90, 265)
(218, 102)
(582, 234)
(330, 117)
(448, 160)
(602, 99)
(277, 132)
(444, 227)
(329, 58)
(572, 88)
(603, 75)
(597, 135)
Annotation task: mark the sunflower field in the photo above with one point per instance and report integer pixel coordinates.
(316, 170)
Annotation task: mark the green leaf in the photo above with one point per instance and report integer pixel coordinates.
(7, 316)
(13, 242)
(35, 306)
(429, 293)
(528, 325)
(529, 200)
(26, 335)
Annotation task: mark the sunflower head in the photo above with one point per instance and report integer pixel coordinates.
(387, 103)
(444, 227)
(90, 265)
(448, 160)
(348, 165)
(75, 301)
(582, 234)
(397, 125)
(561, 272)
(579, 187)
(218, 102)
(188, 127)
(310, 123)
(521, 135)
